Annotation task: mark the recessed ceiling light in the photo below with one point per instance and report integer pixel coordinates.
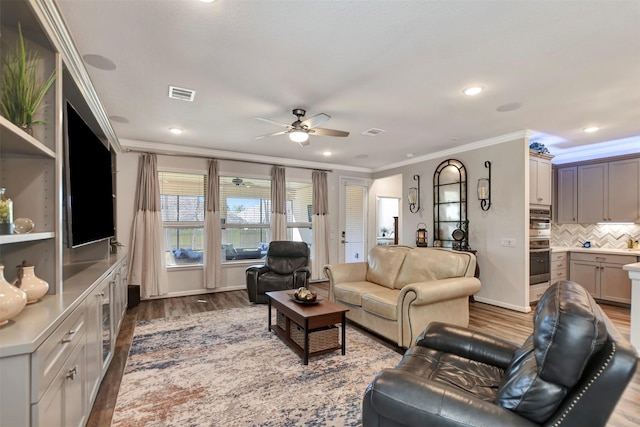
(409, 155)
(207, 1)
(327, 153)
(176, 131)
(472, 90)
(591, 129)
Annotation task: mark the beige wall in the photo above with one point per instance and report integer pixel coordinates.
(189, 280)
(503, 271)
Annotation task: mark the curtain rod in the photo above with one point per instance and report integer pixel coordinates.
(128, 150)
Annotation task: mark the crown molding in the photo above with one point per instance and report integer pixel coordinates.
(54, 26)
(460, 149)
(129, 145)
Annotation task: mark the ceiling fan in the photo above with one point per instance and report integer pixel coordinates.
(300, 130)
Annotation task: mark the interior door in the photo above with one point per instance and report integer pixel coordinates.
(353, 221)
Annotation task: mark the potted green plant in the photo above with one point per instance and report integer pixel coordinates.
(384, 231)
(22, 87)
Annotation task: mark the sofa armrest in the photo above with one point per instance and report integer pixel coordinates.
(409, 400)
(440, 290)
(341, 273)
(464, 342)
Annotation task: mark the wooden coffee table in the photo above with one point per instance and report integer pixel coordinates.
(311, 318)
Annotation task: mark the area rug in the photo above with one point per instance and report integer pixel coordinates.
(223, 368)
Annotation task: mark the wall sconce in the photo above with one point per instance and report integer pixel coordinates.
(421, 235)
(484, 189)
(414, 196)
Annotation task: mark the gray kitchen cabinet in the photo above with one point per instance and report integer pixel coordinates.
(540, 178)
(609, 192)
(592, 189)
(624, 191)
(602, 275)
(567, 195)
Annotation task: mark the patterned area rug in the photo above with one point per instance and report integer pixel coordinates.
(223, 368)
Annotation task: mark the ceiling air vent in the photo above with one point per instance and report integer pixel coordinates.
(373, 132)
(181, 93)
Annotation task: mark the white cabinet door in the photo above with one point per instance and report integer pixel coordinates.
(539, 181)
(567, 204)
(624, 191)
(592, 193)
(94, 343)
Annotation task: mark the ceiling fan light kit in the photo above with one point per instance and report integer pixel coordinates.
(300, 130)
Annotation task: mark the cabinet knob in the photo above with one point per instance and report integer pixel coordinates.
(69, 336)
(71, 375)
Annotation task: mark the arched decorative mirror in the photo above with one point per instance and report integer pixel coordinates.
(450, 223)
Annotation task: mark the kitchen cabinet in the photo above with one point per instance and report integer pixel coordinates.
(559, 266)
(609, 192)
(540, 178)
(567, 195)
(602, 275)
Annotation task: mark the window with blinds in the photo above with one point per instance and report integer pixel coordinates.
(182, 203)
(245, 205)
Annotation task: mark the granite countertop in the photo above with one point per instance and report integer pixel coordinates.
(595, 250)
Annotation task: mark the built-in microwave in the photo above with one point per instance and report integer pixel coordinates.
(540, 223)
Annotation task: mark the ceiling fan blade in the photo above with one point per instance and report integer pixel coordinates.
(328, 132)
(316, 120)
(272, 122)
(272, 134)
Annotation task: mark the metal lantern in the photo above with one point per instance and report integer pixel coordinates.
(421, 235)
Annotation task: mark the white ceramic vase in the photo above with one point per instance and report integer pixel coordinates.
(30, 284)
(12, 299)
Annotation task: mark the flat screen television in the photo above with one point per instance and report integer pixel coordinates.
(88, 183)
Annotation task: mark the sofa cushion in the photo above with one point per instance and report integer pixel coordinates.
(479, 379)
(385, 263)
(351, 292)
(428, 264)
(382, 303)
(567, 331)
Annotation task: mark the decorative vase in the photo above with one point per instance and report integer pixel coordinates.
(29, 283)
(12, 299)
(6, 213)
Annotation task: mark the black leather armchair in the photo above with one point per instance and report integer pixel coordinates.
(285, 267)
(570, 372)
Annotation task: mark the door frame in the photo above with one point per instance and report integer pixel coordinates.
(359, 182)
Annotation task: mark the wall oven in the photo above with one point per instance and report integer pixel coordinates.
(539, 249)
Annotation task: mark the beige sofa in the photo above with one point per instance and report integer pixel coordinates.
(400, 289)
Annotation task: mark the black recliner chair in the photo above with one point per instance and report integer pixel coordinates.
(570, 372)
(285, 267)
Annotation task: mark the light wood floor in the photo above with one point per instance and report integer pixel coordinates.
(511, 325)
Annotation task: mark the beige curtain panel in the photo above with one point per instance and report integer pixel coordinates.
(146, 261)
(212, 231)
(278, 204)
(320, 224)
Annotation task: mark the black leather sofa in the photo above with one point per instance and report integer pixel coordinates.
(570, 372)
(285, 267)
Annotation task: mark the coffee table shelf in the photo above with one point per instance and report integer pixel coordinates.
(308, 320)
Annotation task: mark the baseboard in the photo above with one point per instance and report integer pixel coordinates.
(197, 292)
(522, 309)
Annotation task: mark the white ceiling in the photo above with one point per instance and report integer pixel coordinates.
(393, 65)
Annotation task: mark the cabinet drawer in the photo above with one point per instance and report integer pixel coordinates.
(615, 259)
(54, 351)
(536, 291)
(558, 256)
(558, 275)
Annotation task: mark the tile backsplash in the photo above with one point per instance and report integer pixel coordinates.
(613, 236)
